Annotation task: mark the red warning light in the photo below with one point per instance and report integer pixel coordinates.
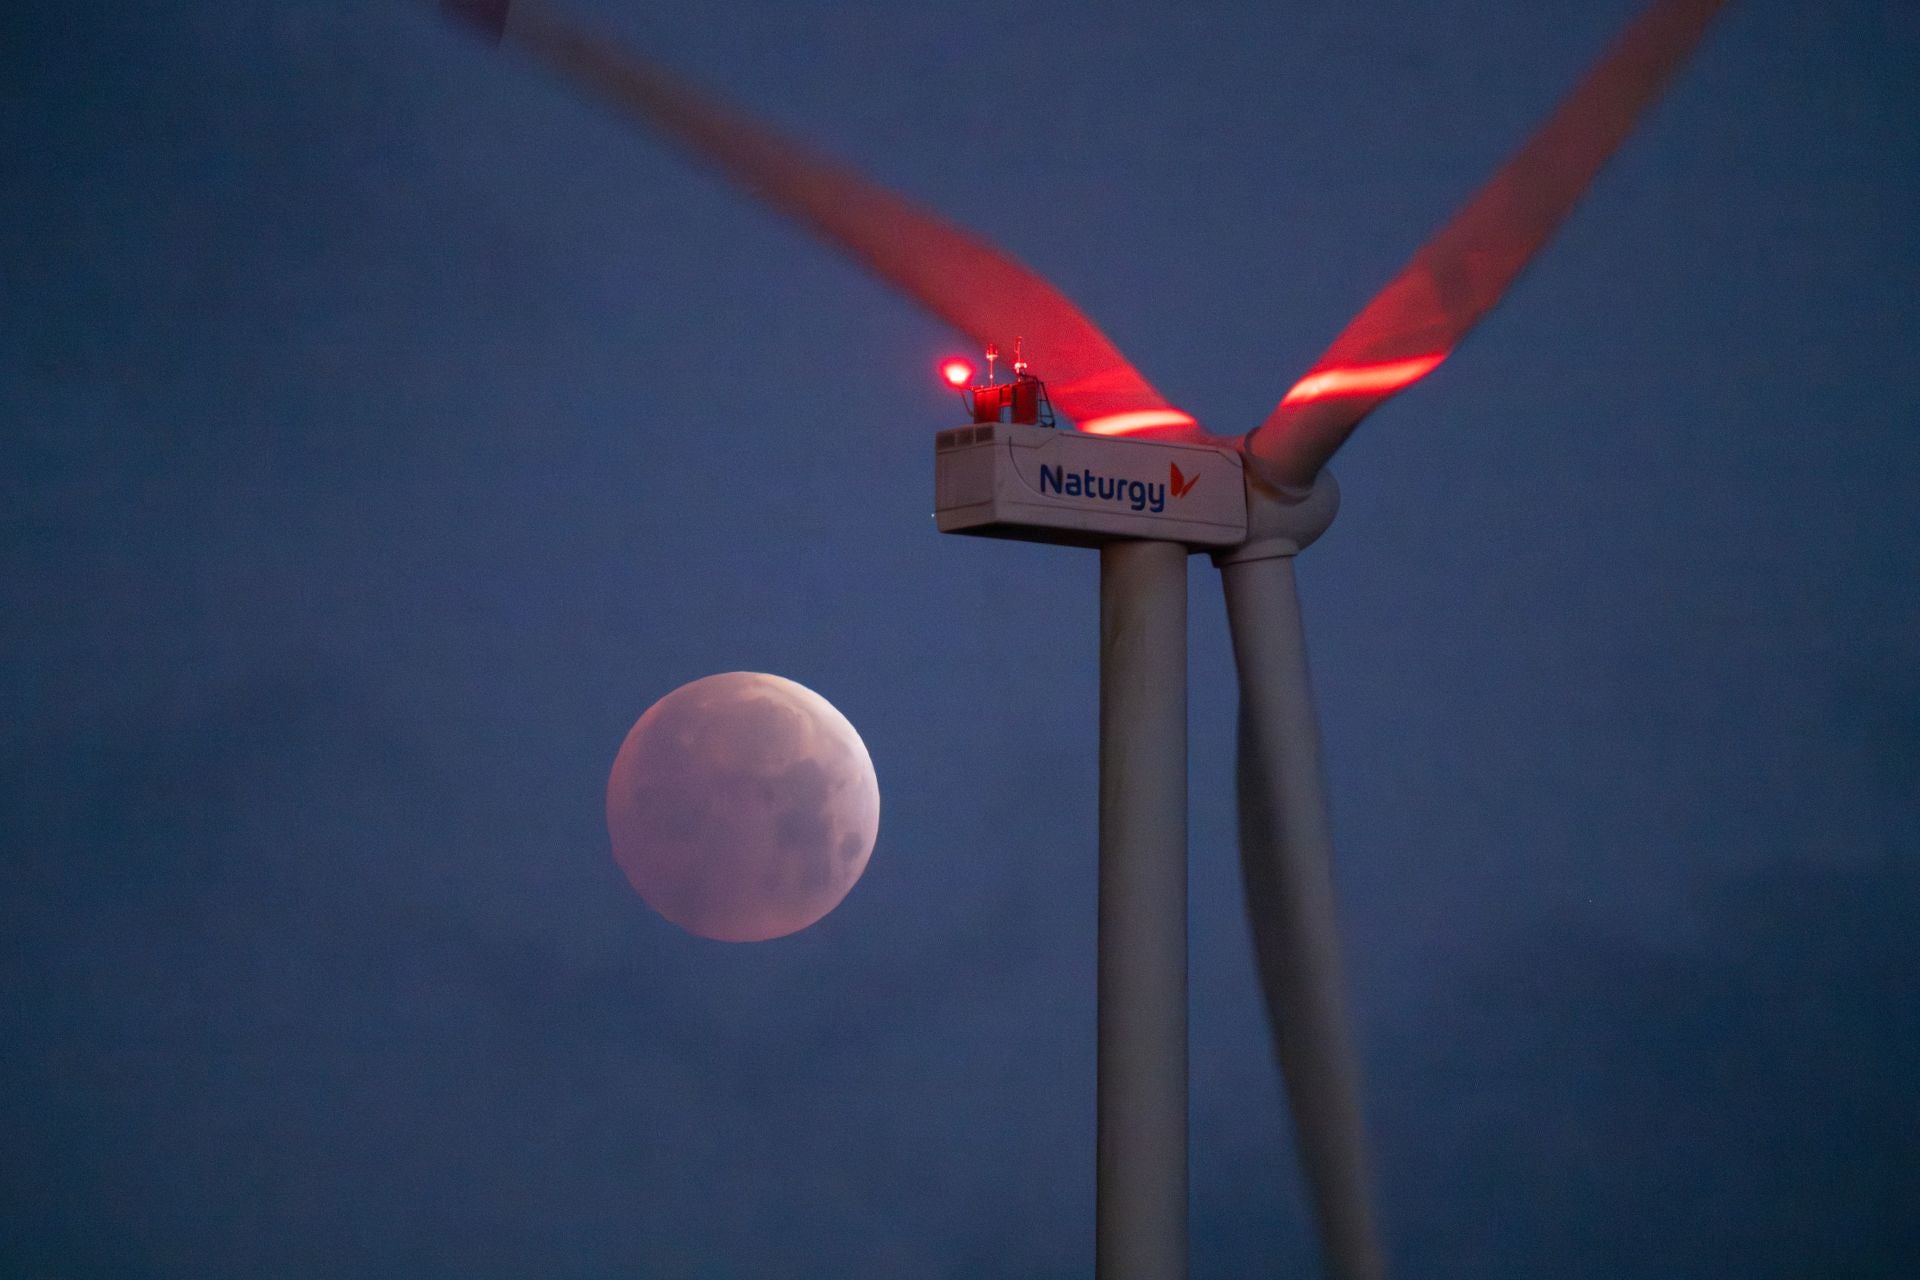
(958, 373)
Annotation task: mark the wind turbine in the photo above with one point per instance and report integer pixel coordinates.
(1268, 496)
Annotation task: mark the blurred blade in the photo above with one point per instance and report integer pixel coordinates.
(974, 287)
(1415, 322)
(1285, 853)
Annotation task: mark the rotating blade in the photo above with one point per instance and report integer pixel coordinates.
(978, 289)
(1285, 860)
(1457, 276)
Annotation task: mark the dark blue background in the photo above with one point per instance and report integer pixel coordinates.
(383, 428)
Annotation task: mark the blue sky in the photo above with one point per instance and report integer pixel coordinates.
(382, 429)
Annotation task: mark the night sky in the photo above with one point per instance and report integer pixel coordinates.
(383, 427)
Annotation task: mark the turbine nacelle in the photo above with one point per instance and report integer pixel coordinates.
(1034, 484)
(1089, 487)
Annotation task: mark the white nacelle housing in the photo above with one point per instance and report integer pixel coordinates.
(1003, 480)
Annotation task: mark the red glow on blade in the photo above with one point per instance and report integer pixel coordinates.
(979, 290)
(1469, 263)
(957, 373)
(1365, 379)
(1123, 424)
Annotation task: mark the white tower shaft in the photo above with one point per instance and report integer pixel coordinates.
(1141, 1194)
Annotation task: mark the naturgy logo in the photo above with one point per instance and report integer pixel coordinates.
(1137, 494)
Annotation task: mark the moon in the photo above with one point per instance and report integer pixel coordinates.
(742, 807)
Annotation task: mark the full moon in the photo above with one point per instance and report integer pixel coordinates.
(742, 807)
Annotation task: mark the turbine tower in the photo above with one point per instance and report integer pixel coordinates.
(1143, 482)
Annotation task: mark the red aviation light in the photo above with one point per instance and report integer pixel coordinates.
(1022, 401)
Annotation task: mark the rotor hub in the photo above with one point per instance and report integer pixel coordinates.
(1283, 521)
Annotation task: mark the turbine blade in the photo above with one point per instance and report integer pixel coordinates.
(1457, 276)
(1285, 852)
(976, 288)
